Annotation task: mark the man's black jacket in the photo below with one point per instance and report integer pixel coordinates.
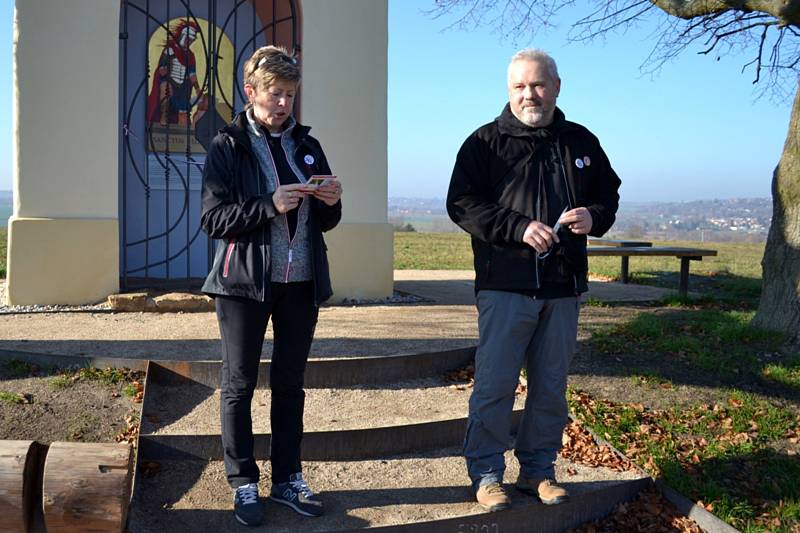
(237, 209)
(495, 192)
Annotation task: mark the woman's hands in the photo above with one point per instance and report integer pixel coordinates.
(328, 193)
(287, 197)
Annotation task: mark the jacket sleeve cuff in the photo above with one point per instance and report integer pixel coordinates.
(519, 229)
(599, 226)
(268, 206)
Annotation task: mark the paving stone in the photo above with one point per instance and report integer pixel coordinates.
(183, 302)
(131, 302)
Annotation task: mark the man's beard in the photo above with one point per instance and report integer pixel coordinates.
(535, 117)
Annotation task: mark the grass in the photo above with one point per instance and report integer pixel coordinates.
(107, 376)
(61, 381)
(734, 275)
(721, 341)
(787, 374)
(727, 455)
(651, 381)
(719, 454)
(432, 251)
(15, 368)
(10, 397)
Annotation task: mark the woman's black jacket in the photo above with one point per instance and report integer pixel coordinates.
(238, 210)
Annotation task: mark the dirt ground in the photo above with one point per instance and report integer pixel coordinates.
(357, 494)
(93, 411)
(50, 408)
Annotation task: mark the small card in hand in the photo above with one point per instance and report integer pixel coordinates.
(318, 180)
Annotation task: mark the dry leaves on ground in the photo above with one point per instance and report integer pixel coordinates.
(138, 386)
(648, 512)
(579, 446)
(464, 378)
(130, 434)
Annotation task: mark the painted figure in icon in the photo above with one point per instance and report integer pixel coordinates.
(175, 79)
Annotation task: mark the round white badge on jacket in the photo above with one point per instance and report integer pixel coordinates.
(309, 159)
(579, 163)
(586, 160)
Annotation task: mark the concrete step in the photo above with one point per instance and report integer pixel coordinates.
(182, 421)
(324, 372)
(428, 492)
(194, 409)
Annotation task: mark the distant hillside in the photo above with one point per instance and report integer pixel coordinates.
(6, 202)
(736, 219)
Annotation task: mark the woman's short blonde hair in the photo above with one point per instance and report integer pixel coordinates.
(269, 64)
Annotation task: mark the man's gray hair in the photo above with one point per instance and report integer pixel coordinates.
(540, 56)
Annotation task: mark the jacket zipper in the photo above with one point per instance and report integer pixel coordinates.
(285, 218)
(570, 201)
(297, 229)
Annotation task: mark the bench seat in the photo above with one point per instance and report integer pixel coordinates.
(626, 252)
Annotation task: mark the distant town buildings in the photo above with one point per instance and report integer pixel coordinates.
(737, 219)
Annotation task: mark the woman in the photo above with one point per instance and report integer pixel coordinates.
(270, 262)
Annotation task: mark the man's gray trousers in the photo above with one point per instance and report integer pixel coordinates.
(517, 330)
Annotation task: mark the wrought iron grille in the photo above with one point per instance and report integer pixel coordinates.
(180, 81)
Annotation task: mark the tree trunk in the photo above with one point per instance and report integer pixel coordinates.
(779, 308)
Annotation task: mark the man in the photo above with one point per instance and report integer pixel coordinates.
(528, 187)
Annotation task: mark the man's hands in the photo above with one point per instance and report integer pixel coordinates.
(542, 237)
(578, 220)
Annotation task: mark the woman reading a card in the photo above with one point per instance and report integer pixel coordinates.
(270, 262)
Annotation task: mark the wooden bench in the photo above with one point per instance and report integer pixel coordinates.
(626, 252)
(616, 243)
(624, 260)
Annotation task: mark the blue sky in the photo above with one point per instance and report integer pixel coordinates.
(694, 131)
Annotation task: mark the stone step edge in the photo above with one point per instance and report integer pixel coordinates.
(320, 372)
(323, 372)
(328, 445)
(531, 517)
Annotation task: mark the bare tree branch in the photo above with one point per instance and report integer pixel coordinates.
(747, 28)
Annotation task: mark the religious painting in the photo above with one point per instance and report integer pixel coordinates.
(181, 109)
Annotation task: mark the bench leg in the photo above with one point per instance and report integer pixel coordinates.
(683, 288)
(623, 269)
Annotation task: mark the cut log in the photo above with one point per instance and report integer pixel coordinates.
(18, 465)
(87, 487)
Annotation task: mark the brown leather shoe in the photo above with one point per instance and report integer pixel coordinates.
(545, 489)
(493, 497)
